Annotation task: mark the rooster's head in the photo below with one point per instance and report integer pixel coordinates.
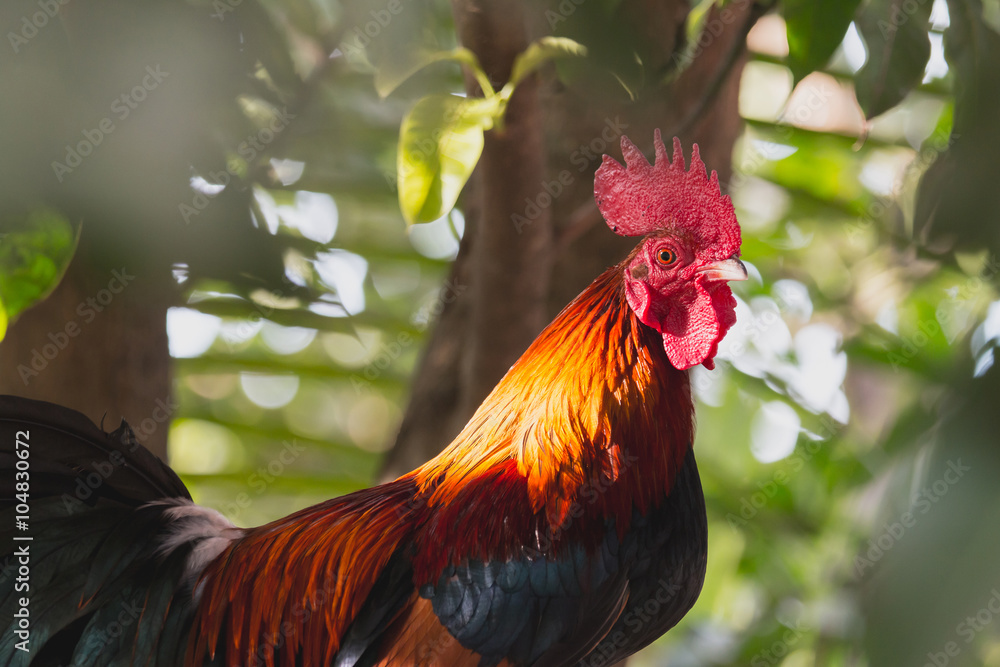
(676, 279)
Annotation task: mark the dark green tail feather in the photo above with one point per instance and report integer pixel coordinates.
(99, 592)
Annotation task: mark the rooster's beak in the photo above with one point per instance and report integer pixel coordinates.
(727, 269)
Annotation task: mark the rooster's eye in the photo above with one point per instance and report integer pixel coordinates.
(666, 256)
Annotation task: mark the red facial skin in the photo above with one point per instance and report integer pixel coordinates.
(668, 290)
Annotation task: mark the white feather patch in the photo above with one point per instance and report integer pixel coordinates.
(208, 531)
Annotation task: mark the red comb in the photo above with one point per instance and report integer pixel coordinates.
(641, 198)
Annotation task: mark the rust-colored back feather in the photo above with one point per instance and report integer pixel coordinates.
(297, 583)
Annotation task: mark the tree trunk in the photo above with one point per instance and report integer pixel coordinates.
(98, 344)
(534, 236)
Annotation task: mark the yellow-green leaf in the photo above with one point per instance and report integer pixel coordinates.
(33, 259)
(390, 76)
(440, 142)
(539, 52)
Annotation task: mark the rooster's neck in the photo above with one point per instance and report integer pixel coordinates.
(592, 404)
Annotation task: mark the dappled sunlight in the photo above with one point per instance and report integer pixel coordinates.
(764, 91)
(269, 391)
(852, 50)
(352, 350)
(199, 447)
(438, 239)
(286, 340)
(191, 333)
(344, 273)
(288, 171)
(774, 431)
(314, 215)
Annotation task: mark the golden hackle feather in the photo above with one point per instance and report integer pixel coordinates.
(593, 393)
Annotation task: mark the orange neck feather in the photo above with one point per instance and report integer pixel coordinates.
(593, 401)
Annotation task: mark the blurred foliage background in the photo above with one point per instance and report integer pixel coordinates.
(235, 163)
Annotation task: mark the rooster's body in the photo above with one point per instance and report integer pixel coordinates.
(564, 525)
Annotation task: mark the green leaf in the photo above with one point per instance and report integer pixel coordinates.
(440, 142)
(388, 77)
(33, 259)
(541, 51)
(815, 30)
(694, 27)
(895, 33)
(958, 193)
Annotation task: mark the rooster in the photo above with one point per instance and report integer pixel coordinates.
(565, 524)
